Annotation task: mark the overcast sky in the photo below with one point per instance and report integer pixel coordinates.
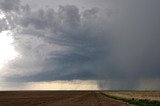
(106, 44)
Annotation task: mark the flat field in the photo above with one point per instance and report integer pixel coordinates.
(57, 98)
(150, 95)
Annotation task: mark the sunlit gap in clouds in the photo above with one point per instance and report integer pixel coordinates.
(7, 50)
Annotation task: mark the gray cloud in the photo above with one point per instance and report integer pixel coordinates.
(10, 5)
(116, 45)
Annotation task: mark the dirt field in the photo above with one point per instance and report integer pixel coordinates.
(137, 94)
(57, 98)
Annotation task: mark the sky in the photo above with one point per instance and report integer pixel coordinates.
(80, 44)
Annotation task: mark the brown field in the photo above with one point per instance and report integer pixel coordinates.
(151, 95)
(57, 98)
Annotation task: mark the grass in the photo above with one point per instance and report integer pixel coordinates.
(150, 95)
(138, 102)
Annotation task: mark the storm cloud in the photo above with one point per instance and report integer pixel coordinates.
(117, 45)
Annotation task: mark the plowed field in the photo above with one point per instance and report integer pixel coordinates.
(57, 98)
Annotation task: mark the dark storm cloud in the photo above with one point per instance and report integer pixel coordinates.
(10, 5)
(68, 29)
(117, 45)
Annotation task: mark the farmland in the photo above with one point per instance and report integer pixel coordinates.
(150, 95)
(57, 98)
(79, 98)
(138, 98)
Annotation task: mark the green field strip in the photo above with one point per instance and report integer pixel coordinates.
(138, 102)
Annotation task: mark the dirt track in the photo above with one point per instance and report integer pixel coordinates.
(56, 98)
